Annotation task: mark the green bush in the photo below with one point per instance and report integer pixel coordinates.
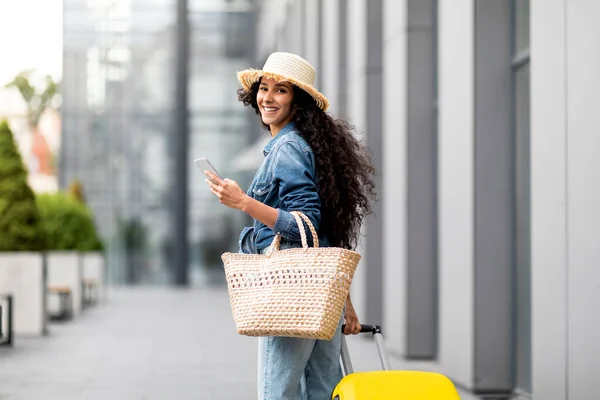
(67, 223)
(19, 215)
(76, 192)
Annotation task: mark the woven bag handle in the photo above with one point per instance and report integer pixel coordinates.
(313, 231)
(301, 229)
(298, 216)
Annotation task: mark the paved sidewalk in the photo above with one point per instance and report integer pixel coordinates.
(144, 344)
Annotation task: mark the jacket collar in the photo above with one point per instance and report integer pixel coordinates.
(284, 131)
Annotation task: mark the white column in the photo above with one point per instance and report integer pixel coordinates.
(357, 42)
(394, 131)
(291, 31)
(548, 200)
(456, 148)
(357, 39)
(311, 36)
(583, 202)
(330, 62)
(271, 20)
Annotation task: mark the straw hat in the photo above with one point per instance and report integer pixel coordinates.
(286, 67)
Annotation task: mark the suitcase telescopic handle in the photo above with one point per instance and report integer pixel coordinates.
(378, 336)
(367, 328)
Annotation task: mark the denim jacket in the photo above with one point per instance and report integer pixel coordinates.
(286, 180)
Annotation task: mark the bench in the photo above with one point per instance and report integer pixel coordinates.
(64, 294)
(6, 315)
(89, 288)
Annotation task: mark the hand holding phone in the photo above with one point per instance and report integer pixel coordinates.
(203, 164)
(229, 192)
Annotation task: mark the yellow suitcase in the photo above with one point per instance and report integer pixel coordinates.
(388, 384)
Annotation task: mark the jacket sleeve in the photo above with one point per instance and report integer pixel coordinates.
(295, 174)
(247, 241)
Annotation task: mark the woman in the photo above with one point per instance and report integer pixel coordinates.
(313, 164)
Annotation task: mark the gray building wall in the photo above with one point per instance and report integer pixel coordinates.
(421, 162)
(474, 284)
(475, 194)
(374, 140)
(494, 198)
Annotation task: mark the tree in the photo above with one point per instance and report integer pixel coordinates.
(20, 228)
(37, 99)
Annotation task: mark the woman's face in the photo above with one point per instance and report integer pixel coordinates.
(274, 101)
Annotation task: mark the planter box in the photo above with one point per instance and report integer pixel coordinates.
(64, 269)
(94, 268)
(23, 274)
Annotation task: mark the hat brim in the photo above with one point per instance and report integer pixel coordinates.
(250, 76)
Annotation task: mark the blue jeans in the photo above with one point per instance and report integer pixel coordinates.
(298, 369)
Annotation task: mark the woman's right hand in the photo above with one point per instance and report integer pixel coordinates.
(228, 191)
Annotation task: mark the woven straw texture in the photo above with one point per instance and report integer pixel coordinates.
(287, 67)
(297, 292)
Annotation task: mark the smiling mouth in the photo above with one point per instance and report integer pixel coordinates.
(270, 110)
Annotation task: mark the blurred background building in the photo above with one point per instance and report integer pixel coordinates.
(120, 125)
(481, 259)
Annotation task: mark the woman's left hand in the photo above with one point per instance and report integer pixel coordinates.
(351, 319)
(228, 191)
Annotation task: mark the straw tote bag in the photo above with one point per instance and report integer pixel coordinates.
(298, 292)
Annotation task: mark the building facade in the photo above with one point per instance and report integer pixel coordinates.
(480, 260)
(119, 125)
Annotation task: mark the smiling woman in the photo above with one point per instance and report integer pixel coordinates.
(313, 164)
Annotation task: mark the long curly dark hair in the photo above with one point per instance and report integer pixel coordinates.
(343, 167)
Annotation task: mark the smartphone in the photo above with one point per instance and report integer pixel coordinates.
(203, 164)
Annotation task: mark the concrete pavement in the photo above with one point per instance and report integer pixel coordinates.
(145, 344)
